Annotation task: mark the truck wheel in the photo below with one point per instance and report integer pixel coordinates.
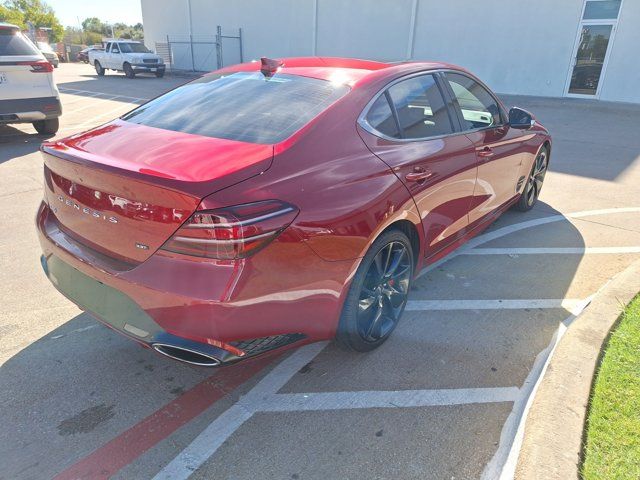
(46, 127)
(128, 71)
(159, 73)
(99, 70)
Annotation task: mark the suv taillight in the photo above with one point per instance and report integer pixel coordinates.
(41, 66)
(232, 232)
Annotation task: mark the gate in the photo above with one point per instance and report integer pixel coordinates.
(201, 53)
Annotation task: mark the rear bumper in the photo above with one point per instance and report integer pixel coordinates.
(228, 311)
(28, 110)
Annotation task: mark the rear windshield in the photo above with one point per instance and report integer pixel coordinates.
(243, 106)
(13, 43)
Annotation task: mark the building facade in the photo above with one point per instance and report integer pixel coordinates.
(557, 48)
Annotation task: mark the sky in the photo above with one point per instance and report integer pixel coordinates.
(111, 11)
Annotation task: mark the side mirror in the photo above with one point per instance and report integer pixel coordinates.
(521, 119)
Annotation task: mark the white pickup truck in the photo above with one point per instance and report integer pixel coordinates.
(126, 56)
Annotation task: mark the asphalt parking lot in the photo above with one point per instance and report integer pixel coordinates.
(441, 399)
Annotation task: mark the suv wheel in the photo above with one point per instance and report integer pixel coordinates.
(47, 127)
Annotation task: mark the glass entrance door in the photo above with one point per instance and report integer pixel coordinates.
(595, 36)
(589, 59)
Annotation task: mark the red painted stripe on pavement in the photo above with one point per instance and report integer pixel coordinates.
(119, 452)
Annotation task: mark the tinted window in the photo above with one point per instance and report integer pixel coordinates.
(381, 118)
(108, 47)
(242, 106)
(420, 108)
(479, 109)
(13, 43)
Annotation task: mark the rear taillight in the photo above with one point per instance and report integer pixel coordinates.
(41, 66)
(232, 232)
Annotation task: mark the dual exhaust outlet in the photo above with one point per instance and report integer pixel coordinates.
(186, 355)
(190, 351)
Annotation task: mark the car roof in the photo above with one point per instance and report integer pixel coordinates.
(9, 26)
(351, 71)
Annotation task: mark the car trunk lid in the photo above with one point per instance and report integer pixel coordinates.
(123, 189)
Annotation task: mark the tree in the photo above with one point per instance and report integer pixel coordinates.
(10, 15)
(37, 13)
(93, 24)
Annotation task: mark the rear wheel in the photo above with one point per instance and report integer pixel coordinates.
(128, 70)
(534, 183)
(47, 127)
(99, 69)
(378, 293)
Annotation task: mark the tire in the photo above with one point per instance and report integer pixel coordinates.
(128, 71)
(533, 186)
(99, 70)
(159, 73)
(371, 310)
(47, 127)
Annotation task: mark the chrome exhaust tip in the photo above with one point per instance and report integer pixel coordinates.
(186, 355)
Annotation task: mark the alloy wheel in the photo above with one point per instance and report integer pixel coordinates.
(384, 292)
(536, 178)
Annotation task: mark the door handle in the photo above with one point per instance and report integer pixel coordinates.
(418, 175)
(486, 152)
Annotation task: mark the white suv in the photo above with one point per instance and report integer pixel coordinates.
(28, 93)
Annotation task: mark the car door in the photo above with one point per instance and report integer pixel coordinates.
(114, 57)
(104, 60)
(497, 146)
(411, 128)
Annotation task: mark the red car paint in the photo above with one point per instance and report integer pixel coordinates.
(347, 183)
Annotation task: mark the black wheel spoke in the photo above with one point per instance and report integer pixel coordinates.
(375, 322)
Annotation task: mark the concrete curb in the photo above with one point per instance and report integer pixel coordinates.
(554, 425)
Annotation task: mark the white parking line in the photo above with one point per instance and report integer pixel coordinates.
(108, 115)
(551, 251)
(89, 93)
(385, 399)
(569, 304)
(212, 437)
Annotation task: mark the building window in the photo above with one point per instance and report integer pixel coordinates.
(601, 9)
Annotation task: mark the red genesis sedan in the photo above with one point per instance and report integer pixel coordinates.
(276, 203)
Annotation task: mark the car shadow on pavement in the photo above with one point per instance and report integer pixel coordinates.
(76, 388)
(19, 142)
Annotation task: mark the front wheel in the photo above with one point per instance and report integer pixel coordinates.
(47, 127)
(159, 73)
(534, 183)
(99, 69)
(128, 70)
(378, 293)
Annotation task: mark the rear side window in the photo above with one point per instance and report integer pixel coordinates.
(381, 118)
(13, 43)
(479, 108)
(421, 110)
(243, 106)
